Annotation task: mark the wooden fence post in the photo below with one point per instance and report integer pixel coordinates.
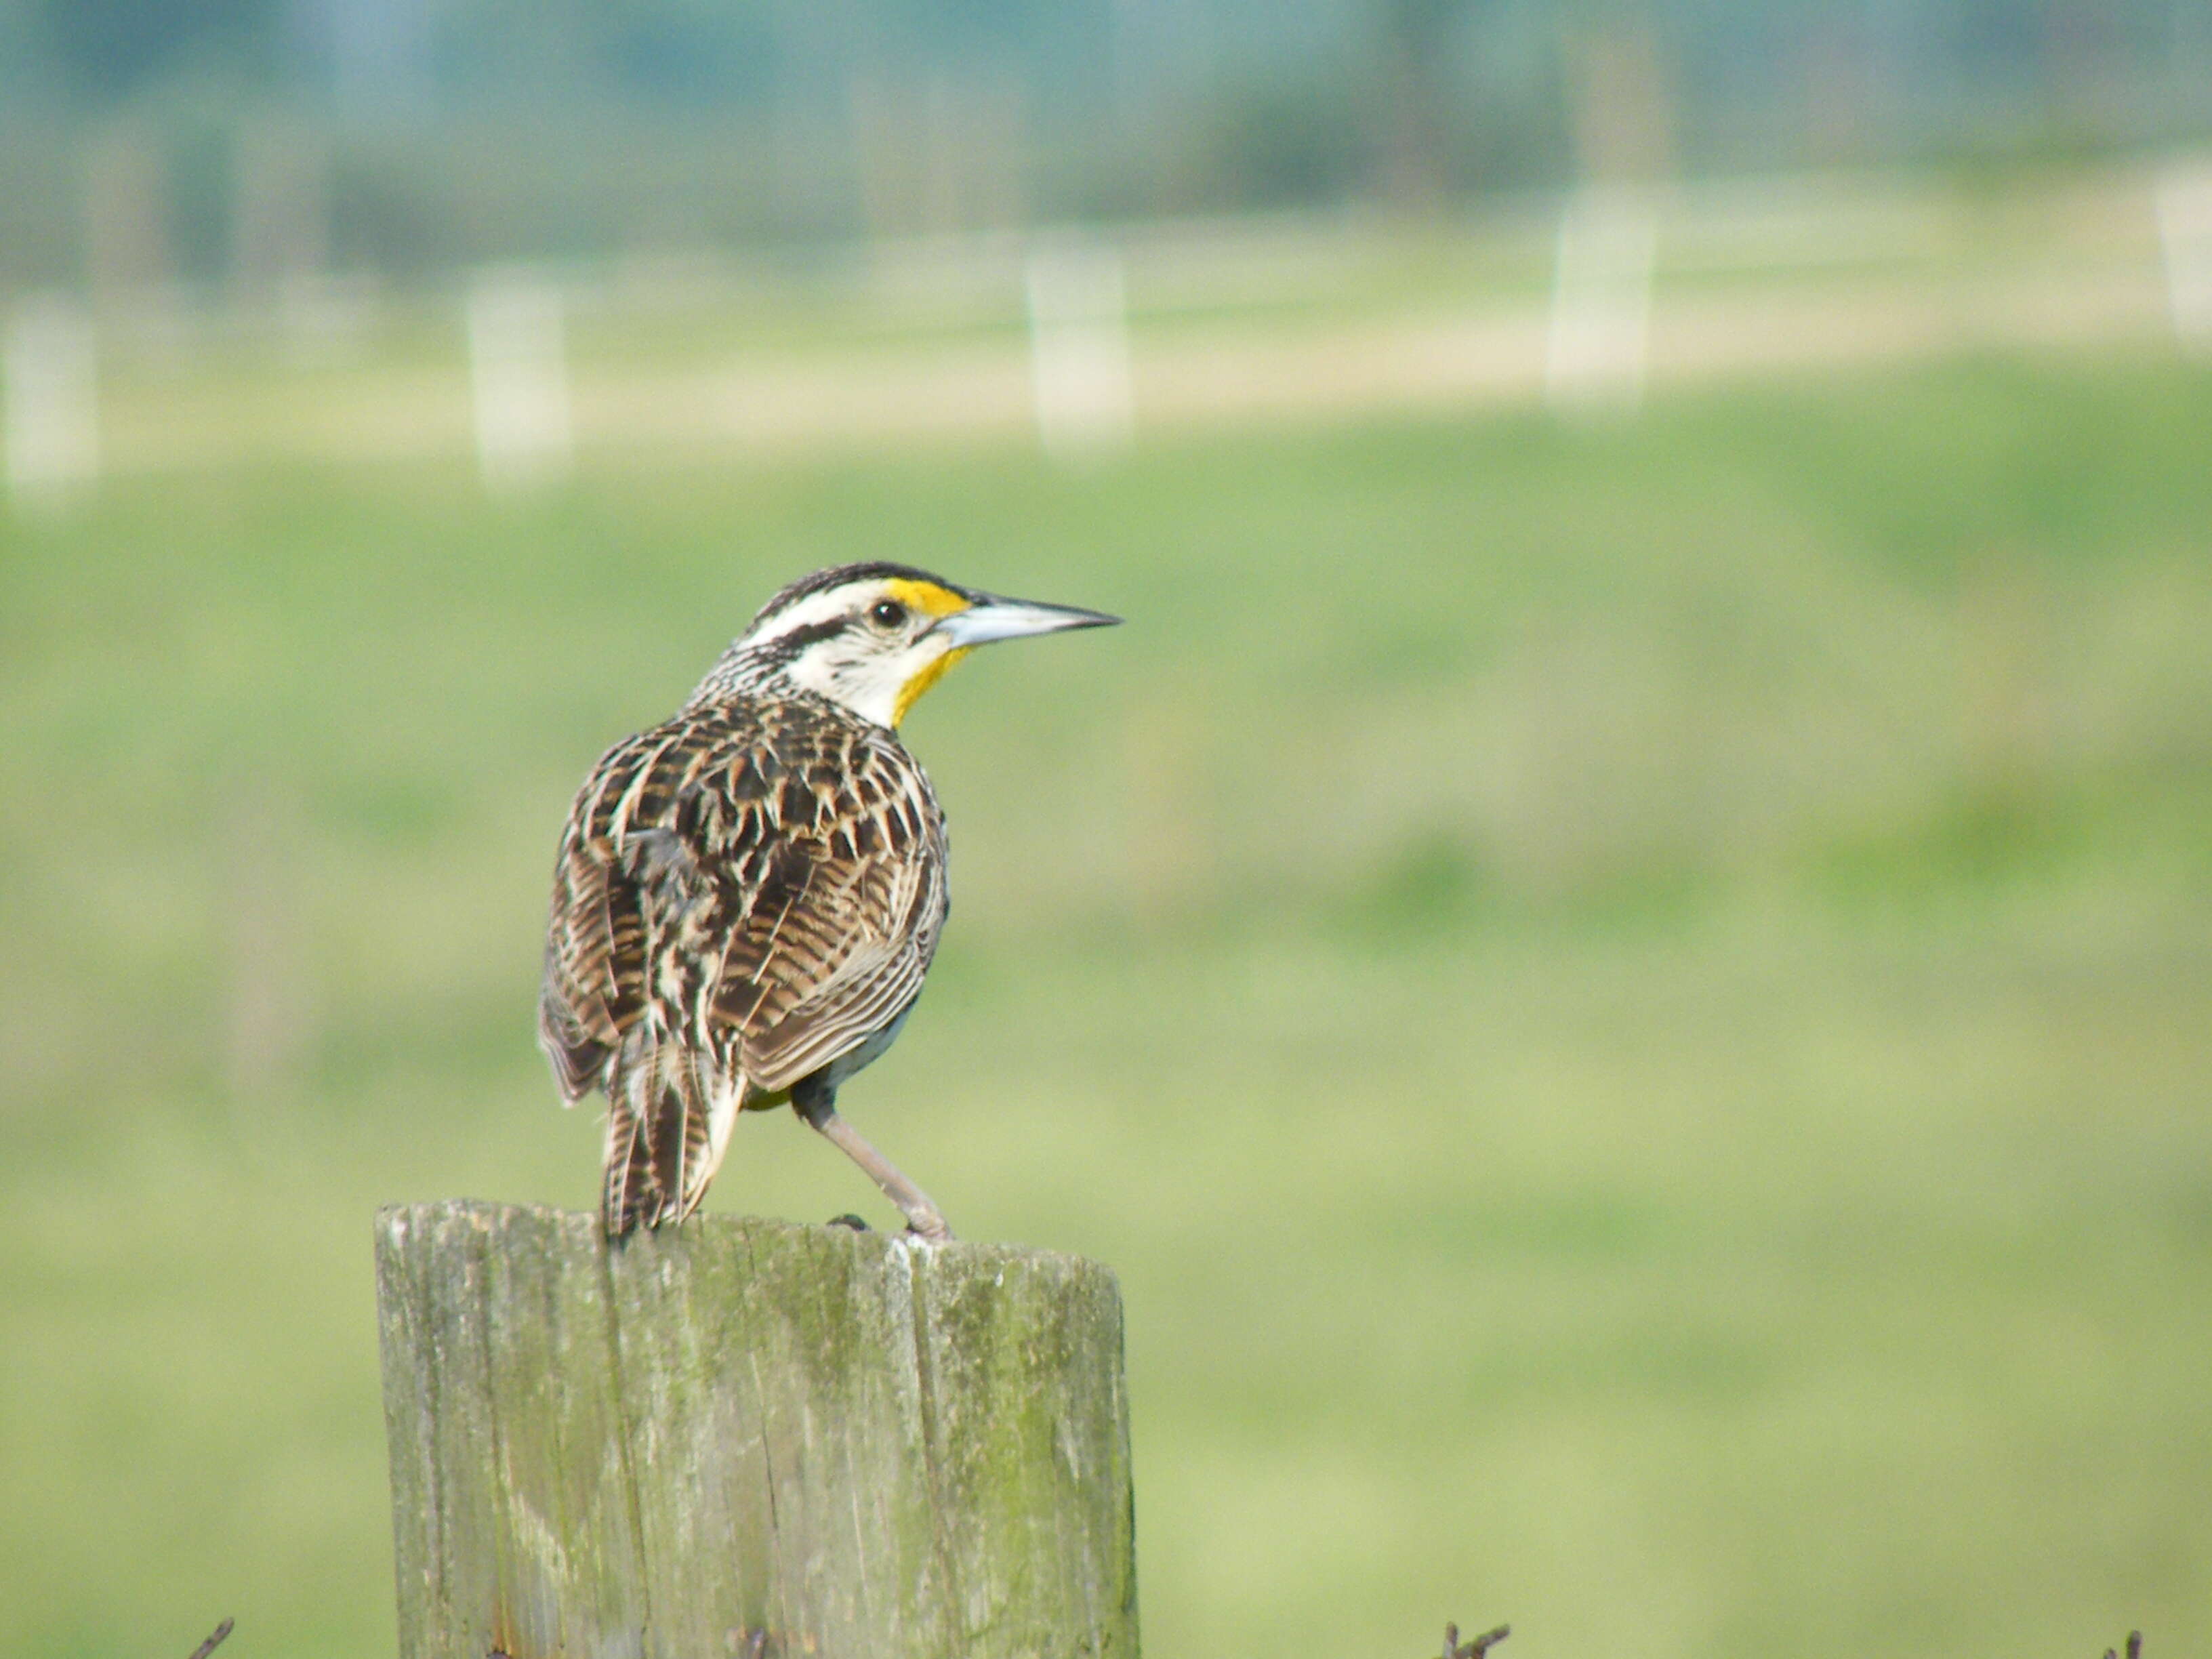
(748, 1439)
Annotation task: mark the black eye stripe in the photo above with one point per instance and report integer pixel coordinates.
(788, 646)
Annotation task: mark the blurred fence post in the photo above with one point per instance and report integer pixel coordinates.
(2184, 197)
(1599, 339)
(751, 1439)
(52, 426)
(1079, 371)
(518, 379)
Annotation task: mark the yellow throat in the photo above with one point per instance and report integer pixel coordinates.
(937, 602)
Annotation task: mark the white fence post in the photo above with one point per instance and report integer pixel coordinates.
(2183, 198)
(1601, 299)
(519, 376)
(52, 408)
(1079, 370)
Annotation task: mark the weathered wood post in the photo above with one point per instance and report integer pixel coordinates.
(748, 1438)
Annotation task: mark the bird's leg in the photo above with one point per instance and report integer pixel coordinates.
(819, 1108)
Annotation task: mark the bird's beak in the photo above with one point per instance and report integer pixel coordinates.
(991, 619)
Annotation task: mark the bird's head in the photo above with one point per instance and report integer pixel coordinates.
(873, 637)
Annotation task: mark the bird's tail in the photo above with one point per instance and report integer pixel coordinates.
(667, 1123)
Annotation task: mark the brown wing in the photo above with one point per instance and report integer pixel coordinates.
(834, 937)
(763, 884)
(595, 943)
(834, 961)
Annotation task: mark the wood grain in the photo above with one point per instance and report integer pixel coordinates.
(749, 1438)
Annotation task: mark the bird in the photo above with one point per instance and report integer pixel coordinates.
(747, 895)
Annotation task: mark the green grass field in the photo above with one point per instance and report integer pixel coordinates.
(1632, 1005)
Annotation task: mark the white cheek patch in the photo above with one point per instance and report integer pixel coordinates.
(821, 669)
(866, 681)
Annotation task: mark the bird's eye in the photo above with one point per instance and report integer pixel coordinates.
(888, 613)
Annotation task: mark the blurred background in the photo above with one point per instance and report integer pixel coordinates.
(1618, 955)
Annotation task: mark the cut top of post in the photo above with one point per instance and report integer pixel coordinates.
(746, 1436)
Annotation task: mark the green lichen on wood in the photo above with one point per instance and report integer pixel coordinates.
(855, 1445)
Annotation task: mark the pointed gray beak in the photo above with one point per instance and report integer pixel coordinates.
(991, 619)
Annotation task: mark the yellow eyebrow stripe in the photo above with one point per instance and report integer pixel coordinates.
(925, 596)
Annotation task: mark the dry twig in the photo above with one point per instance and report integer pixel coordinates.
(222, 1630)
(2134, 1647)
(1453, 1649)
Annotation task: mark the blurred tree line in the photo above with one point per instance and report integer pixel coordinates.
(142, 141)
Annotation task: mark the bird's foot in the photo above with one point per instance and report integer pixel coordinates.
(849, 1219)
(928, 1228)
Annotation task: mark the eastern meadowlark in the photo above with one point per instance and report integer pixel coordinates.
(748, 895)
